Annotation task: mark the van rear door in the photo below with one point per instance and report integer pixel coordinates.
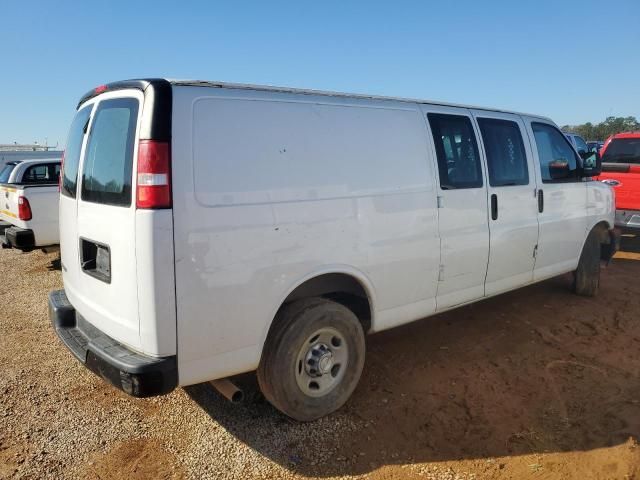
(116, 216)
(98, 245)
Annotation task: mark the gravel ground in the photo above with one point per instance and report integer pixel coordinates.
(537, 383)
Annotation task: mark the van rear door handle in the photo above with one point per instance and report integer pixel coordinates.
(494, 207)
(540, 201)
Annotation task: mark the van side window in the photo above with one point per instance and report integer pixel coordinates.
(506, 157)
(457, 151)
(558, 160)
(107, 169)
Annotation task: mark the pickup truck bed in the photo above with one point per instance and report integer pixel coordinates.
(32, 214)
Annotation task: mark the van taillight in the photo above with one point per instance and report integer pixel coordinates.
(154, 175)
(24, 209)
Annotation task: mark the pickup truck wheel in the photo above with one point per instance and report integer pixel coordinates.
(586, 278)
(312, 359)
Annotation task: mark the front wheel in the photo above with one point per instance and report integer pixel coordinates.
(586, 278)
(312, 359)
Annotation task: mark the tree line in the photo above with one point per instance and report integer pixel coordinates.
(602, 130)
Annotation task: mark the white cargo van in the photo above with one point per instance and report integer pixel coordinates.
(210, 229)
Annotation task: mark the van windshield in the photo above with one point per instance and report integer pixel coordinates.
(623, 150)
(5, 173)
(107, 170)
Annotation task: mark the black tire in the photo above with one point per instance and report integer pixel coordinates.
(294, 325)
(586, 278)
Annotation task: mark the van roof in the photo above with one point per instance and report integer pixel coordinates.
(305, 91)
(143, 83)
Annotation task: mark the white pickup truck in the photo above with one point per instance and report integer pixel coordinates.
(29, 204)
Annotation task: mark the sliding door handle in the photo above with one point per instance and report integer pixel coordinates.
(540, 201)
(494, 207)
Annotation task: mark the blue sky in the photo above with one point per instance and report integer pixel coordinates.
(574, 61)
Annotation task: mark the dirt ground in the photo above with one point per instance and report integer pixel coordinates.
(538, 383)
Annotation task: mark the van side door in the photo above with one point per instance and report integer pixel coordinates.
(462, 206)
(562, 200)
(513, 208)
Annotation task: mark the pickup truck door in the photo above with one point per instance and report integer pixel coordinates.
(562, 200)
(462, 205)
(513, 207)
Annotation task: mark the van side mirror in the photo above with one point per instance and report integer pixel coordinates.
(559, 169)
(591, 164)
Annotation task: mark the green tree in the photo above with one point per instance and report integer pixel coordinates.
(600, 131)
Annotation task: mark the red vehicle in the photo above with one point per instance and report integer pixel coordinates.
(621, 169)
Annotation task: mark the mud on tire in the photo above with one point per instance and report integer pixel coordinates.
(586, 278)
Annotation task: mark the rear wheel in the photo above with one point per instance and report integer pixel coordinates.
(586, 278)
(312, 359)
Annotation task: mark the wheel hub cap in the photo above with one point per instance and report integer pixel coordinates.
(325, 363)
(321, 362)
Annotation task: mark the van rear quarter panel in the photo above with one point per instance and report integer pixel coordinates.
(271, 189)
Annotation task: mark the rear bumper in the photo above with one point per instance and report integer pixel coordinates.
(628, 219)
(137, 374)
(20, 238)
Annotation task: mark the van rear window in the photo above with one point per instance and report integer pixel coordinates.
(72, 151)
(107, 170)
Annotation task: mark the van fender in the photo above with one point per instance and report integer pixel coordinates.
(608, 237)
(358, 275)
